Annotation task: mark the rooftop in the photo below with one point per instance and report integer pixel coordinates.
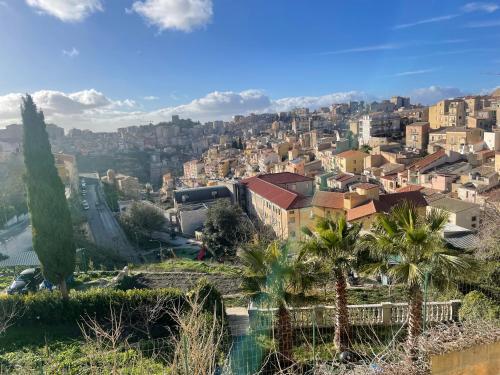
(452, 204)
(351, 154)
(328, 199)
(385, 203)
(284, 178)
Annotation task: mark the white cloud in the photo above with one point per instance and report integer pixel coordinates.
(414, 72)
(480, 7)
(433, 94)
(91, 109)
(377, 47)
(67, 10)
(73, 52)
(428, 20)
(182, 15)
(151, 97)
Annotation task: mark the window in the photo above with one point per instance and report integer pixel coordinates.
(473, 225)
(291, 220)
(473, 218)
(292, 233)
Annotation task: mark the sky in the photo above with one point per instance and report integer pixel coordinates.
(104, 64)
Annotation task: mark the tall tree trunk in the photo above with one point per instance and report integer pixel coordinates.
(414, 319)
(284, 334)
(63, 287)
(342, 315)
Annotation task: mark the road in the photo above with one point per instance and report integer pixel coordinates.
(16, 240)
(104, 228)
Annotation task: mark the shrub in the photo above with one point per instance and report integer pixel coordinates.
(476, 306)
(48, 308)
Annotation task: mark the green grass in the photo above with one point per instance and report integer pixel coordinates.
(185, 265)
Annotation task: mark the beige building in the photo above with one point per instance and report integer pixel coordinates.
(459, 139)
(351, 161)
(282, 201)
(464, 214)
(193, 169)
(447, 113)
(417, 135)
(129, 186)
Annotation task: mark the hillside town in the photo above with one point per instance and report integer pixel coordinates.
(288, 169)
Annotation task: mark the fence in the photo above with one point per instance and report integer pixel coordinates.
(384, 313)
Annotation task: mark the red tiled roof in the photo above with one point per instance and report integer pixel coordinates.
(409, 188)
(366, 186)
(276, 194)
(385, 203)
(343, 177)
(429, 159)
(284, 178)
(390, 177)
(328, 199)
(351, 154)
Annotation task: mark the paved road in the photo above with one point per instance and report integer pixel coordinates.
(104, 228)
(16, 240)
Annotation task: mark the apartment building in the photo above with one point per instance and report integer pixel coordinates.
(461, 213)
(193, 169)
(351, 161)
(379, 124)
(281, 200)
(461, 139)
(447, 113)
(362, 203)
(417, 135)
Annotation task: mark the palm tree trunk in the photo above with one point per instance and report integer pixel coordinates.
(342, 314)
(284, 334)
(414, 318)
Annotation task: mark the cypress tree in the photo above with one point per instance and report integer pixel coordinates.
(50, 217)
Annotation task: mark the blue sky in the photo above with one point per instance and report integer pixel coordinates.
(106, 63)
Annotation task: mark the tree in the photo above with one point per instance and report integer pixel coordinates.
(146, 217)
(365, 148)
(334, 242)
(226, 227)
(407, 246)
(50, 216)
(270, 277)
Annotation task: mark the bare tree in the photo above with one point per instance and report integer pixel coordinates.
(488, 246)
(10, 310)
(199, 341)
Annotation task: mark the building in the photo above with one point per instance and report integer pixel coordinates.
(129, 186)
(192, 206)
(379, 124)
(400, 102)
(417, 135)
(280, 200)
(351, 161)
(462, 140)
(463, 214)
(68, 171)
(193, 169)
(447, 113)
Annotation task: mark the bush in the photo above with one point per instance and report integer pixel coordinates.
(476, 306)
(48, 308)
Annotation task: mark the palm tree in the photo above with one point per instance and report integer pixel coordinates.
(407, 246)
(334, 242)
(270, 278)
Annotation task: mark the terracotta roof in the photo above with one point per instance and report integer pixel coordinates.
(409, 188)
(276, 194)
(351, 154)
(428, 160)
(366, 186)
(390, 177)
(343, 177)
(284, 178)
(385, 203)
(328, 199)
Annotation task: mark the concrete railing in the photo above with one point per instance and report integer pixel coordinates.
(384, 313)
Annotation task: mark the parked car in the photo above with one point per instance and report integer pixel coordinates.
(28, 280)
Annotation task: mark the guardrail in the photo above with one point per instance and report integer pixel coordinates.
(385, 313)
